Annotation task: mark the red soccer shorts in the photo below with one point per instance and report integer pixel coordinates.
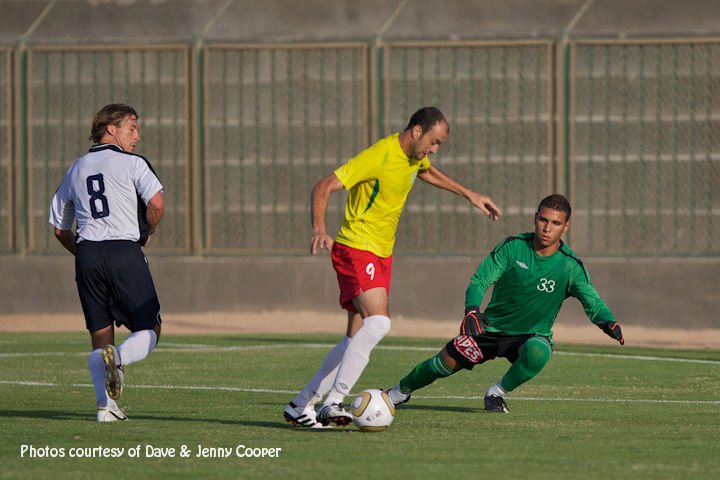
(359, 271)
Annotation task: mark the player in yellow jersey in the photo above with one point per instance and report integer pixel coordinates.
(378, 180)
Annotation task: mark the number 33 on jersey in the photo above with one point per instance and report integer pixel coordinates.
(542, 282)
(546, 285)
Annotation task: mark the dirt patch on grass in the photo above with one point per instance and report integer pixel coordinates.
(334, 323)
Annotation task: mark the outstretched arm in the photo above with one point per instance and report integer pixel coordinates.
(319, 201)
(435, 177)
(595, 308)
(488, 273)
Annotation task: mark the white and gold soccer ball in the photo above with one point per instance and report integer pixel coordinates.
(372, 410)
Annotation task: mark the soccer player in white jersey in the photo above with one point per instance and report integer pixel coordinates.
(117, 200)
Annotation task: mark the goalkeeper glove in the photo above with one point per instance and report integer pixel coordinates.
(613, 330)
(474, 322)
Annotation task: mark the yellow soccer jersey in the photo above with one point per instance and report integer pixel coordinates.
(379, 180)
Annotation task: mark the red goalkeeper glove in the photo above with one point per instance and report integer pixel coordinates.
(474, 322)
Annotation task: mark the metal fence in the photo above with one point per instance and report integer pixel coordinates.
(240, 133)
(66, 86)
(645, 155)
(6, 164)
(498, 100)
(277, 119)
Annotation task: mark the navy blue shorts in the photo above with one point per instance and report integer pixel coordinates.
(115, 285)
(470, 351)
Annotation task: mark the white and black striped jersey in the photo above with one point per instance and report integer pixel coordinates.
(107, 191)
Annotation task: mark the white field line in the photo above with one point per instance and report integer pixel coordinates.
(599, 400)
(419, 397)
(201, 348)
(43, 354)
(198, 348)
(29, 384)
(640, 357)
(185, 345)
(182, 348)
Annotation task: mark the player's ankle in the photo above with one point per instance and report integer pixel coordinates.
(497, 390)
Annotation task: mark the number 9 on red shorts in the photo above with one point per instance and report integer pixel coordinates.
(359, 271)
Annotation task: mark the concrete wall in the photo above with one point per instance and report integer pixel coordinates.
(93, 22)
(647, 292)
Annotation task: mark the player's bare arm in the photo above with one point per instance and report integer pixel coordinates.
(437, 178)
(155, 211)
(319, 201)
(66, 239)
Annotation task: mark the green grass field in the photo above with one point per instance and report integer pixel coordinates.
(594, 412)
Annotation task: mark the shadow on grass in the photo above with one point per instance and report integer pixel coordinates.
(420, 407)
(439, 408)
(64, 416)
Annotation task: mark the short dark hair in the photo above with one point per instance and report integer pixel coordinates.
(427, 117)
(112, 114)
(558, 203)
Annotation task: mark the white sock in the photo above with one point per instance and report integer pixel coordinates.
(357, 356)
(497, 390)
(97, 375)
(323, 379)
(137, 346)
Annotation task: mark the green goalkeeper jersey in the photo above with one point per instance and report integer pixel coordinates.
(529, 289)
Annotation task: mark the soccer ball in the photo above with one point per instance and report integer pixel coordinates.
(372, 410)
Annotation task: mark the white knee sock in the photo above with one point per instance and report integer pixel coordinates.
(357, 356)
(323, 379)
(97, 375)
(137, 346)
(497, 390)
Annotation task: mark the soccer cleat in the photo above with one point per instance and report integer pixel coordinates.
(305, 417)
(114, 374)
(334, 413)
(396, 396)
(110, 414)
(496, 404)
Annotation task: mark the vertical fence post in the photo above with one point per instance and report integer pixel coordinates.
(21, 198)
(378, 81)
(562, 177)
(562, 181)
(7, 147)
(197, 185)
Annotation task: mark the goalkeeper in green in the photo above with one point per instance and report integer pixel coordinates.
(533, 274)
